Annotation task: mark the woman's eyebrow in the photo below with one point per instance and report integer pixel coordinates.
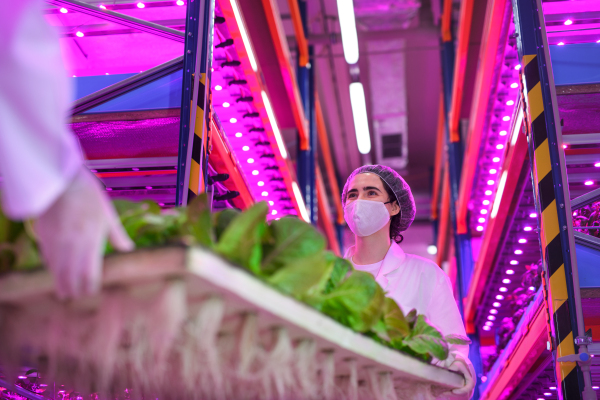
(371, 188)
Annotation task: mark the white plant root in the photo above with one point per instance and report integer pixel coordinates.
(157, 342)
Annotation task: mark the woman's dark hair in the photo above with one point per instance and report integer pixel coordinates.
(395, 220)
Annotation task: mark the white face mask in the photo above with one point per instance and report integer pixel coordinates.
(365, 217)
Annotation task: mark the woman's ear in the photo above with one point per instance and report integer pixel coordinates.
(394, 208)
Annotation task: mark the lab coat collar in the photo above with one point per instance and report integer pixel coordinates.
(391, 264)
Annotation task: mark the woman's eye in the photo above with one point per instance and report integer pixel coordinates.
(351, 196)
(372, 193)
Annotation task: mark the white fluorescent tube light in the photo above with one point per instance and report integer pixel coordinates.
(245, 38)
(517, 128)
(359, 113)
(300, 201)
(499, 194)
(274, 126)
(348, 28)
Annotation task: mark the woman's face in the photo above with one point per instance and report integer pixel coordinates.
(369, 186)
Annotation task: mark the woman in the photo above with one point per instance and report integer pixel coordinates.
(378, 206)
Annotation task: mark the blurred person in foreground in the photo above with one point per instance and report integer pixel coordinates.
(378, 206)
(43, 176)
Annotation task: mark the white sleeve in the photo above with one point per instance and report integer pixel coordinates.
(443, 312)
(39, 155)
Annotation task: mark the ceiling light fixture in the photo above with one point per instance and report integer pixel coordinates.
(348, 29)
(359, 113)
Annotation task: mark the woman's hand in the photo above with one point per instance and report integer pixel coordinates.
(466, 391)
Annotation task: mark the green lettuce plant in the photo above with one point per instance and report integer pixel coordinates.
(287, 253)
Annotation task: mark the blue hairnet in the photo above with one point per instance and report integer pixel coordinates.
(398, 185)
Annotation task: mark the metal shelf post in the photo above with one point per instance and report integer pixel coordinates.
(550, 184)
(192, 160)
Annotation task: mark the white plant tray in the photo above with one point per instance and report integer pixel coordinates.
(322, 359)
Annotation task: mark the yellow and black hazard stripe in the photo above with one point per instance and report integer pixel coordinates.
(552, 252)
(198, 163)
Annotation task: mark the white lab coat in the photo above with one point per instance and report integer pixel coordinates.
(39, 155)
(415, 282)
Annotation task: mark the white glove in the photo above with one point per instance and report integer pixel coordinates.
(72, 235)
(465, 392)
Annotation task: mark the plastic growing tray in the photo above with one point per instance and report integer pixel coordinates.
(181, 321)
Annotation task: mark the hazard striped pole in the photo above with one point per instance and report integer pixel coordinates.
(196, 99)
(551, 194)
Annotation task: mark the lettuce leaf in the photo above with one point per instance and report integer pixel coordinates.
(357, 302)
(241, 241)
(424, 338)
(291, 240)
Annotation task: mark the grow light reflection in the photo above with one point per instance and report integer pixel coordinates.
(503, 133)
(140, 5)
(506, 118)
(486, 328)
(568, 22)
(491, 318)
(271, 203)
(265, 194)
(510, 103)
(63, 10)
(518, 252)
(510, 272)
(246, 148)
(527, 229)
(80, 34)
(491, 182)
(274, 212)
(518, 67)
(250, 160)
(233, 120)
(493, 171)
(588, 183)
(488, 192)
(261, 183)
(486, 202)
(238, 135)
(499, 297)
(481, 220)
(514, 262)
(514, 85)
(493, 311)
(218, 87)
(300, 201)
(533, 215)
(179, 2)
(496, 304)
(597, 165)
(500, 146)
(479, 228)
(506, 281)
(522, 240)
(483, 211)
(255, 172)
(244, 34)
(489, 323)
(226, 104)
(496, 159)
(273, 122)
(561, 43)
(503, 289)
